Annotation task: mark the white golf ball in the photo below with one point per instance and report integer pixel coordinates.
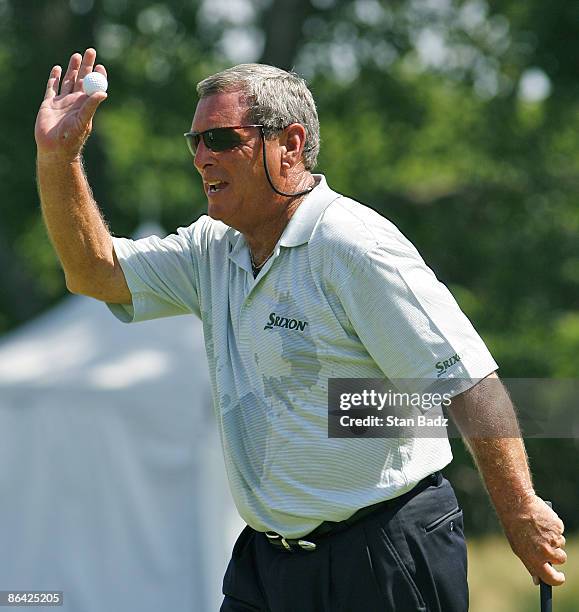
(95, 81)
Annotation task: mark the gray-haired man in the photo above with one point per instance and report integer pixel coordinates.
(296, 284)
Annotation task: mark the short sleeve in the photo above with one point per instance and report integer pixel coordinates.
(409, 322)
(161, 274)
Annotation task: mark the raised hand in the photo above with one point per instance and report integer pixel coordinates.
(64, 120)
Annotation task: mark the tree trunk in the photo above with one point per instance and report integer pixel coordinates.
(282, 24)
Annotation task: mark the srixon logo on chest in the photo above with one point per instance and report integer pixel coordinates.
(287, 323)
(442, 366)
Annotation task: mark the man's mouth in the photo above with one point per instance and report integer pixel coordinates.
(215, 187)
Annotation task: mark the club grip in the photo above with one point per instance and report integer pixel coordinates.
(547, 589)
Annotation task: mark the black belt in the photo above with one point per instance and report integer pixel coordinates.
(327, 528)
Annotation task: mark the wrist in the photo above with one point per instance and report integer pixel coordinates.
(58, 158)
(516, 507)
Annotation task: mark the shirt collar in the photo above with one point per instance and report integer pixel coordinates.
(301, 225)
(238, 250)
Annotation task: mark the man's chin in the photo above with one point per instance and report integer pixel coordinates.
(217, 213)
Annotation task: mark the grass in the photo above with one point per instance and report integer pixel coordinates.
(499, 582)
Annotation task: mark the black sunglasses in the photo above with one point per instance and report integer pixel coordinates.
(216, 139)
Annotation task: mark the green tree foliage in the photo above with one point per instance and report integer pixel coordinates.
(456, 119)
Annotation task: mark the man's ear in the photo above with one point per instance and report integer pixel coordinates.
(293, 141)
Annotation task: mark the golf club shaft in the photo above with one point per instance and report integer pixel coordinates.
(546, 598)
(547, 589)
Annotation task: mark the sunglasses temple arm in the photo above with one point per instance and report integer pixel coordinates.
(282, 193)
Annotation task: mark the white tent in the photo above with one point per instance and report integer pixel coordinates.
(112, 479)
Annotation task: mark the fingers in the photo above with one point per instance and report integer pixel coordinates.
(71, 72)
(558, 524)
(100, 68)
(558, 556)
(562, 541)
(78, 67)
(89, 107)
(86, 67)
(553, 554)
(53, 81)
(557, 541)
(549, 575)
(546, 572)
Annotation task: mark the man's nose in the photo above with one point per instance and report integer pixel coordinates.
(203, 156)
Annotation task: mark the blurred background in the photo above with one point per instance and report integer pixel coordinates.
(456, 119)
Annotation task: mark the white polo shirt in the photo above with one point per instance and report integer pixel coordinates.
(345, 295)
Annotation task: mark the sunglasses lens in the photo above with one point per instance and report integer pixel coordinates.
(192, 143)
(221, 139)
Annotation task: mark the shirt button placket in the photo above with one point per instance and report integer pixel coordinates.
(245, 321)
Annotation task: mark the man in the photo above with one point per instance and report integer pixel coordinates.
(295, 285)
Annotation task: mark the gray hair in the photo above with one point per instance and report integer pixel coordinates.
(276, 99)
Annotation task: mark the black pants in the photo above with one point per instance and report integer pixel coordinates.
(408, 556)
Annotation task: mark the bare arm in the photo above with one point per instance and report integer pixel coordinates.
(485, 416)
(74, 222)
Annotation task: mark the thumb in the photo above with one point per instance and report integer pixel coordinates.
(553, 576)
(89, 108)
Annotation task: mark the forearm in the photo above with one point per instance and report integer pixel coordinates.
(488, 423)
(74, 222)
(504, 467)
